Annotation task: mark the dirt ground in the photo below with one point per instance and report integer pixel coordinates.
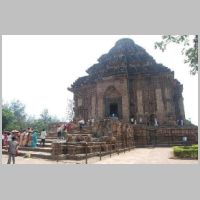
(136, 156)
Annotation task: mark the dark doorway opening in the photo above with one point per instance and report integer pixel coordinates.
(114, 109)
(113, 106)
(152, 119)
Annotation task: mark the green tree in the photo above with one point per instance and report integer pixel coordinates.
(7, 117)
(45, 116)
(44, 120)
(189, 50)
(18, 109)
(13, 116)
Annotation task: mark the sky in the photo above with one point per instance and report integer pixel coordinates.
(38, 69)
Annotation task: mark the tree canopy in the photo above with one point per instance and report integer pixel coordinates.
(189, 50)
(15, 117)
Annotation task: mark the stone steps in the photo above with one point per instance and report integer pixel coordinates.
(38, 149)
(47, 144)
(45, 152)
(47, 140)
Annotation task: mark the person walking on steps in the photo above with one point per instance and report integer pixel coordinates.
(43, 135)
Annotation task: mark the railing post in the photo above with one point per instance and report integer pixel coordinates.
(118, 146)
(86, 155)
(57, 152)
(100, 152)
(110, 149)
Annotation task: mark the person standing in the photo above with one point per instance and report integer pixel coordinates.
(12, 150)
(181, 122)
(3, 139)
(132, 120)
(43, 135)
(140, 120)
(135, 122)
(25, 139)
(155, 122)
(59, 132)
(9, 137)
(81, 124)
(92, 121)
(30, 137)
(34, 139)
(64, 131)
(22, 137)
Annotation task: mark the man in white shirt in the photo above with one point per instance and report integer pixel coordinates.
(132, 120)
(43, 135)
(155, 122)
(9, 137)
(81, 124)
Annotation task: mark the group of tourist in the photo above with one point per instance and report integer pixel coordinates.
(63, 129)
(26, 138)
(153, 122)
(15, 139)
(180, 122)
(82, 123)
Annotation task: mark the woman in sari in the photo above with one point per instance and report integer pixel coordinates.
(34, 139)
(29, 138)
(25, 139)
(22, 138)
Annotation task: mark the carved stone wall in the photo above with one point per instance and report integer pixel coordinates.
(112, 87)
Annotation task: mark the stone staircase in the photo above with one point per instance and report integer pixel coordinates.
(45, 152)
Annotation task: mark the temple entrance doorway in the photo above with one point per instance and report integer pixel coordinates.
(114, 109)
(152, 119)
(113, 106)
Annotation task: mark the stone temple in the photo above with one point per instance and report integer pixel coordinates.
(128, 83)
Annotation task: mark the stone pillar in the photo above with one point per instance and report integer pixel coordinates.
(125, 108)
(140, 102)
(125, 101)
(93, 106)
(170, 107)
(181, 107)
(101, 108)
(160, 104)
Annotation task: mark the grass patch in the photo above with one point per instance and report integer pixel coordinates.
(186, 151)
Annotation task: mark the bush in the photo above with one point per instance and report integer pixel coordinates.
(186, 151)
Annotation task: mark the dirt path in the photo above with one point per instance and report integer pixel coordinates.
(136, 156)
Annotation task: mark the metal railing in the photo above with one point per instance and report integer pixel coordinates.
(89, 150)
